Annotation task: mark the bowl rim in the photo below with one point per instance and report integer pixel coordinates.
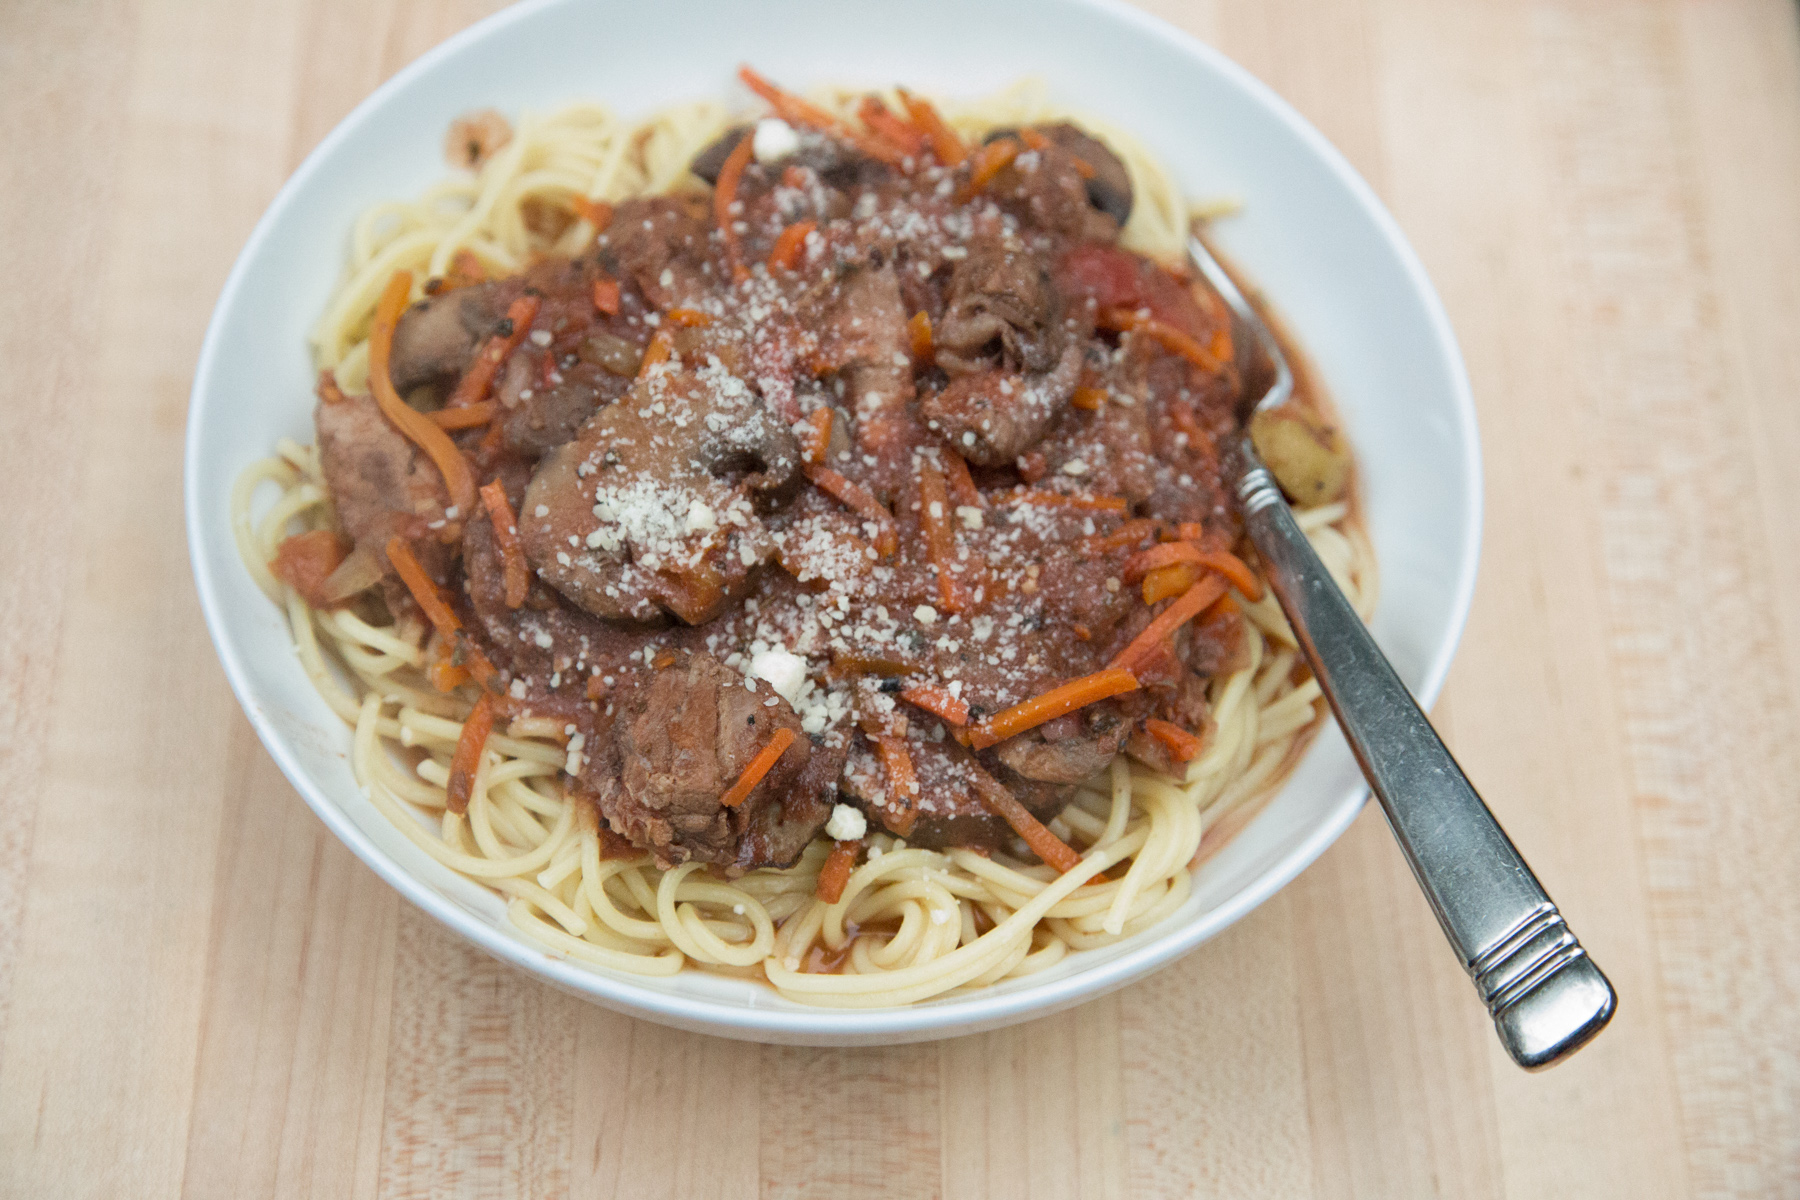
(828, 1025)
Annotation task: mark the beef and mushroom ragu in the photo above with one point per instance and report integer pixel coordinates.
(880, 477)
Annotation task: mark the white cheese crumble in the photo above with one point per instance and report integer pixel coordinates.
(785, 672)
(1075, 467)
(774, 140)
(847, 824)
(924, 614)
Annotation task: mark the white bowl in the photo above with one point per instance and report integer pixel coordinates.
(1312, 236)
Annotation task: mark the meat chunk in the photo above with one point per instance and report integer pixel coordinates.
(1109, 187)
(660, 243)
(682, 737)
(381, 484)
(991, 417)
(1046, 188)
(948, 811)
(863, 334)
(1001, 309)
(1071, 749)
(652, 509)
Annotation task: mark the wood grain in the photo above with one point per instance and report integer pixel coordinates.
(203, 994)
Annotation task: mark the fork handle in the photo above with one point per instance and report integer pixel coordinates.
(1546, 996)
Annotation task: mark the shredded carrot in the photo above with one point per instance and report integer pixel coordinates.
(961, 483)
(1089, 399)
(606, 296)
(1062, 500)
(1182, 745)
(948, 147)
(836, 871)
(1029, 714)
(1165, 554)
(467, 759)
(876, 118)
(796, 111)
(903, 781)
(597, 213)
(1170, 338)
(1179, 613)
(788, 248)
(688, 318)
(724, 196)
(1236, 570)
(940, 536)
(328, 388)
(1128, 534)
(1190, 531)
(467, 417)
(861, 501)
(465, 271)
(662, 345)
(938, 701)
(761, 765)
(446, 676)
(1172, 580)
(1003, 804)
(506, 532)
(473, 387)
(431, 602)
(1224, 606)
(815, 443)
(919, 330)
(417, 427)
(989, 161)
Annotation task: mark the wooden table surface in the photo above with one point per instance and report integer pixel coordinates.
(202, 993)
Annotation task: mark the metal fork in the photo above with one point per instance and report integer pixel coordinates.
(1546, 996)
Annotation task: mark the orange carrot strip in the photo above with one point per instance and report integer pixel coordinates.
(962, 484)
(1182, 745)
(836, 871)
(467, 417)
(919, 330)
(1128, 534)
(1236, 570)
(597, 213)
(885, 125)
(1060, 500)
(861, 501)
(761, 765)
(1166, 582)
(816, 442)
(788, 248)
(472, 388)
(1091, 399)
(606, 296)
(938, 701)
(422, 588)
(903, 781)
(1224, 606)
(1165, 334)
(989, 161)
(796, 111)
(1179, 613)
(1029, 714)
(948, 147)
(417, 427)
(724, 195)
(1003, 804)
(688, 318)
(940, 536)
(662, 345)
(506, 532)
(467, 759)
(1166, 554)
(446, 676)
